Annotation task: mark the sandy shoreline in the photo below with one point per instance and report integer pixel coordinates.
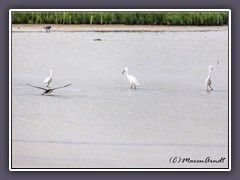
(107, 28)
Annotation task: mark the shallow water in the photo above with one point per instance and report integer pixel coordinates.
(98, 121)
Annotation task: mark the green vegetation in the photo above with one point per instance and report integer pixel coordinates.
(130, 18)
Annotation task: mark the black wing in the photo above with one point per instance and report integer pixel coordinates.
(47, 27)
(61, 86)
(37, 87)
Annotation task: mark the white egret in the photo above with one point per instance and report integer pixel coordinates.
(48, 80)
(50, 90)
(208, 81)
(133, 81)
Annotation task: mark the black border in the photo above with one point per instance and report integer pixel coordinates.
(234, 5)
(129, 169)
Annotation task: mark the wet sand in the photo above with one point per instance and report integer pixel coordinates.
(112, 28)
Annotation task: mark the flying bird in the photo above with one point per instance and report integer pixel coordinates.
(48, 80)
(49, 90)
(47, 28)
(132, 80)
(208, 81)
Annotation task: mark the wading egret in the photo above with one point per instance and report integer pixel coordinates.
(47, 28)
(133, 81)
(208, 81)
(48, 80)
(50, 90)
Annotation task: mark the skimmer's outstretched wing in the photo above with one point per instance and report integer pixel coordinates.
(37, 87)
(62, 86)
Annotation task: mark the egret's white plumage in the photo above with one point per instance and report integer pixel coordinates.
(48, 80)
(133, 81)
(208, 81)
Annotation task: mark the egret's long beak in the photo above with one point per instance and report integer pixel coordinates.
(212, 68)
(123, 71)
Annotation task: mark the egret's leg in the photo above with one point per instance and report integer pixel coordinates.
(135, 86)
(211, 88)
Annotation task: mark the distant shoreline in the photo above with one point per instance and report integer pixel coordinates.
(112, 28)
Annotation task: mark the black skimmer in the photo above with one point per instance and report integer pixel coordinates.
(47, 28)
(49, 90)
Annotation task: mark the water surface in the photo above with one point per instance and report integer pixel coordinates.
(98, 121)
